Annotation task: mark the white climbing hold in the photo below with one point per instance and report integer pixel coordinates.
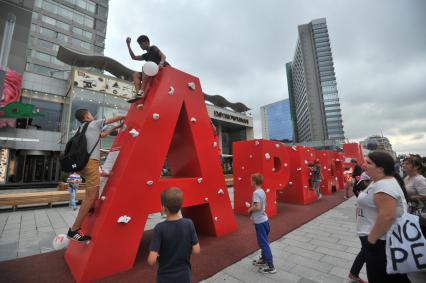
(294, 148)
(285, 164)
(267, 156)
(250, 156)
(206, 199)
(216, 218)
(193, 120)
(214, 144)
(124, 219)
(103, 197)
(256, 143)
(171, 90)
(239, 178)
(220, 192)
(248, 205)
(290, 183)
(305, 187)
(268, 190)
(150, 183)
(243, 168)
(306, 162)
(199, 180)
(277, 145)
(191, 85)
(139, 106)
(299, 169)
(273, 169)
(134, 133)
(155, 116)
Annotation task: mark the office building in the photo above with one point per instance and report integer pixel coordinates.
(276, 121)
(312, 86)
(377, 142)
(32, 148)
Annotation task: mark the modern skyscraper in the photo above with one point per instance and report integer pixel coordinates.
(312, 86)
(276, 121)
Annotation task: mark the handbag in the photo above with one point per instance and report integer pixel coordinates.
(405, 246)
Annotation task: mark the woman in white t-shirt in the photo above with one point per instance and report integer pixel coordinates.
(415, 183)
(378, 207)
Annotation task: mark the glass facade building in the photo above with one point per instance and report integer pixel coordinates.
(79, 25)
(76, 24)
(276, 121)
(312, 86)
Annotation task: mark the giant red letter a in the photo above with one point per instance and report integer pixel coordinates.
(172, 125)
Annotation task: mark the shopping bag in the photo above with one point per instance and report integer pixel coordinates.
(405, 246)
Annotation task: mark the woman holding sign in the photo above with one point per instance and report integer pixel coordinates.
(379, 205)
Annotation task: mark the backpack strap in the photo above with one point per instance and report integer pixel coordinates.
(82, 128)
(90, 153)
(83, 131)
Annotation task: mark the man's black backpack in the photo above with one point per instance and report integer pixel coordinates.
(75, 156)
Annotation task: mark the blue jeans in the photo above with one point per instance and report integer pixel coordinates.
(262, 232)
(73, 195)
(317, 187)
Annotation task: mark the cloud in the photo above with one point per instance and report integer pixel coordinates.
(239, 49)
(418, 137)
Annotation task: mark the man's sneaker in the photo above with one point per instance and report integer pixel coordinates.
(259, 262)
(267, 270)
(77, 236)
(356, 279)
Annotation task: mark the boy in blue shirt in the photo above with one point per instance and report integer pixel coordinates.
(261, 224)
(173, 241)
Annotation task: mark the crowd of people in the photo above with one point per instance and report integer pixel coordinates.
(383, 194)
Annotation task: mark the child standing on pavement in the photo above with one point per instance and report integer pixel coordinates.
(261, 224)
(173, 241)
(73, 181)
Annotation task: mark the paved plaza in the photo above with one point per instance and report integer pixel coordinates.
(322, 250)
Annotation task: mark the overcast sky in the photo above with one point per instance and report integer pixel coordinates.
(239, 48)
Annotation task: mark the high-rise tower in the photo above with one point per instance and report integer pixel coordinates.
(312, 86)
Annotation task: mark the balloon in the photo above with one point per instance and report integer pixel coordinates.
(60, 242)
(150, 69)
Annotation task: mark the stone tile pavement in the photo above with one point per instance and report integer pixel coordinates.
(29, 232)
(322, 250)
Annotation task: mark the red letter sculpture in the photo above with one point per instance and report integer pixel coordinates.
(172, 124)
(299, 190)
(259, 156)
